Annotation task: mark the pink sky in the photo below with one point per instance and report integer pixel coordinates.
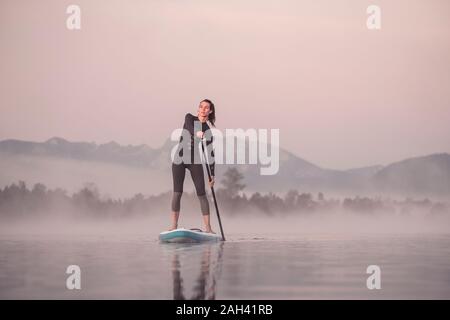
(342, 96)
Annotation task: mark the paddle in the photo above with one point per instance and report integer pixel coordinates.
(212, 190)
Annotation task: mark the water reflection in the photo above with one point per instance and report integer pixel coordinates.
(204, 259)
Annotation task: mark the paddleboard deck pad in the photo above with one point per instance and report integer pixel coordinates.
(182, 235)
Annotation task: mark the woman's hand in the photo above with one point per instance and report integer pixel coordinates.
(211, 182)
(200, 134)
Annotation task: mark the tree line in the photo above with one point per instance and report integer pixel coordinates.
(19, 201)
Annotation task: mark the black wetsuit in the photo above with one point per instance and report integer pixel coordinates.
(194, 165)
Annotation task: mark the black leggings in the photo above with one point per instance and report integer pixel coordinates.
(178, 173)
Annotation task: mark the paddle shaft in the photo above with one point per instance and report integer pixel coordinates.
(213, 193)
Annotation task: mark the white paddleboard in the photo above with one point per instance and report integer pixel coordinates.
(188, 236)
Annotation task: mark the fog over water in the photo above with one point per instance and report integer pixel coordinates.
(250, 225)
(362, 114)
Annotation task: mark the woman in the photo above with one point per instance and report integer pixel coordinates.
(206, 112)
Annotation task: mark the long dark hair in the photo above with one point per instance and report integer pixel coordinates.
(212, 115)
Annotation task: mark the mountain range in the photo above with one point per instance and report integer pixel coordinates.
(426, 175)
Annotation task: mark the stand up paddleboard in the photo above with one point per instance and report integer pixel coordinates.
(182, 235)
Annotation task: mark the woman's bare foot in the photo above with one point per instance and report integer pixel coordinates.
(175, 216)
(207, 224)
(209, 230)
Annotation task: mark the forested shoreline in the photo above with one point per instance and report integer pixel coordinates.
(20, 201)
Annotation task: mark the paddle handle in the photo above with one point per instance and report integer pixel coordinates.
(213, 193)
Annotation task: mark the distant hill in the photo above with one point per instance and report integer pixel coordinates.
(420, 175)
(112, 152)
(139, 166)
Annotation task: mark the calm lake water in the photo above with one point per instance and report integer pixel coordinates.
(267, 267)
